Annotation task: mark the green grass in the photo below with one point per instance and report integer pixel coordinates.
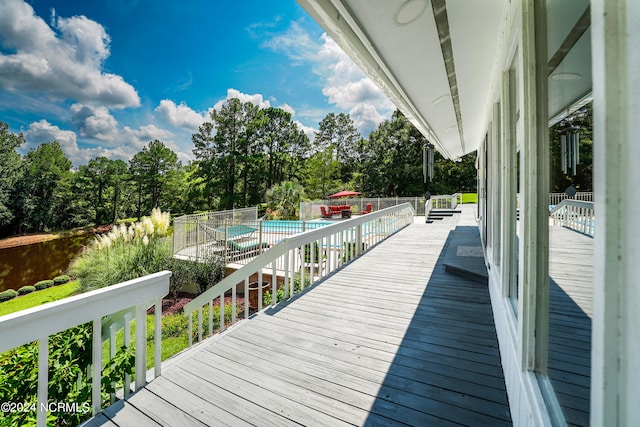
(174, 339)
(39, 297)
(469, 198)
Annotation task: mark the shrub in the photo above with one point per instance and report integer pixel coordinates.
(208, 272)
(43, 284)
(7, 295)
(69, 360)
(26, 290)
(60, 280)
(124, 253)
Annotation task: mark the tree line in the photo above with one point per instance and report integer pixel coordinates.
(240, 153)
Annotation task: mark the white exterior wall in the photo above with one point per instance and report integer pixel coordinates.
(516, 333)
(615, 371)
(616, 321)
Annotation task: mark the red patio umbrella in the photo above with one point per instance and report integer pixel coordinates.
(344, 193)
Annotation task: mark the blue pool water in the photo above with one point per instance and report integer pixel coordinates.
(291, 226)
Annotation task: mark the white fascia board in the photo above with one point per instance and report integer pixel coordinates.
(335, 18)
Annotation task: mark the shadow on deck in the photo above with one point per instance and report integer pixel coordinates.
(570, 311)
(450, 351)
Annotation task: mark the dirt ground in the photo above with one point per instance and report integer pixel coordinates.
(29, 239)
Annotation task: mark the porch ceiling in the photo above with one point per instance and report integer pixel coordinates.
(441, 68)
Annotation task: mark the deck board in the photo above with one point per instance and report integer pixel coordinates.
(570, 313)
(390, 339)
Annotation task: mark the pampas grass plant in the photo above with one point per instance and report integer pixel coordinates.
(125, 253)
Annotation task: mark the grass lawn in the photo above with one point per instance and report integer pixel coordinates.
(36, 298)
(469, 198)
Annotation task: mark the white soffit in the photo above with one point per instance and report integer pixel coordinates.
(406, 61)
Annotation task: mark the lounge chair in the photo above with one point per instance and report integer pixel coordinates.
(237, 250)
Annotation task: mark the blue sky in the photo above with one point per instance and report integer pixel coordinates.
(107, 77)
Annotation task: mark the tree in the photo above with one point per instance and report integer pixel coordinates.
(207, 165)
(286, 196)
(10, 170)
(454, 176)
(339, 133)
(391, 160)
(583, 180)
(152, 170)
(322, 175)
(44, 168)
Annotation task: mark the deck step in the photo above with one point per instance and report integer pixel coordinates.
(465, 256)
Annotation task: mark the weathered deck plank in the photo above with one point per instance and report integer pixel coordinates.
(391, 339)
(570, 313)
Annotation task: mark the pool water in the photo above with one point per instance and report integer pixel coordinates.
(291, 226)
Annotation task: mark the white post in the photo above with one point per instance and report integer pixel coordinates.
(616, 295)
(112, 353)
(141, 346)
(43, 380)
(221, 328)
(127, 343)
(533, 312)
(199, 324)
(157, 340)
(96, 375)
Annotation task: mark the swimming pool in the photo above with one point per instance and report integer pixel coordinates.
(291, 226)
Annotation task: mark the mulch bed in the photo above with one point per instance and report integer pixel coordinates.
(172, 306)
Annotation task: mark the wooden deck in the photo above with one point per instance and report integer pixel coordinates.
(570, 314)
(391, 339)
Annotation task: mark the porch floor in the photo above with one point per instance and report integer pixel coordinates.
(390, 339)
(570, 314)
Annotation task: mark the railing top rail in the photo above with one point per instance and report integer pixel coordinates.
(280, 249)
(571, 202)
(34, 323)
(214, 214)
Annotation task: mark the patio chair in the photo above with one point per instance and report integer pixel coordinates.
(367, 209)
(324, 212)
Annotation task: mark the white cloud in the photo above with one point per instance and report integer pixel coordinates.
(308, 130)
(255, 99)
(66, 64)
(93, 122)
(42, 132)
(343, 83)
(288, 108)
(180, 115)
(365, 116)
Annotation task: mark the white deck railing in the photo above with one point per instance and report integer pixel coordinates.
(335, 245)
(585, 196)
(448, 201)
(196, 229)
(39, 323)
(311, 210)
(574, 214)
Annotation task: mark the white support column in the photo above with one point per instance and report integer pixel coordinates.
(533, 313)
(496, 187)
(615, 362)
(508, 172)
